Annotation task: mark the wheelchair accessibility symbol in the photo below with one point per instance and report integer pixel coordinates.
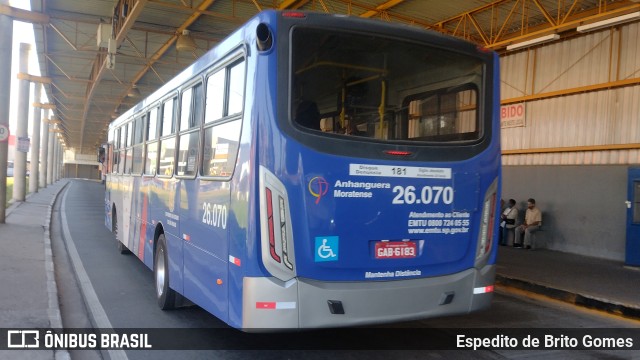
(327, 248)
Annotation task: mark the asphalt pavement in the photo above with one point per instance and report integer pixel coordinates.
(29, 296)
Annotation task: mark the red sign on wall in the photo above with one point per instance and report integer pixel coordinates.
(512, 115)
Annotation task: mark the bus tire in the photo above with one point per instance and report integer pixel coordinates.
(121, 248)
(165, 295)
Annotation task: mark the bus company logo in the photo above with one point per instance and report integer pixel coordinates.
(318, 187)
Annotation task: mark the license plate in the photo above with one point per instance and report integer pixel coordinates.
(396, 250)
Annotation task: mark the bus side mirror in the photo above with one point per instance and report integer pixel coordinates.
(101, 155)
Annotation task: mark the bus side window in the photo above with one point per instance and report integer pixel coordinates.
(123, 145)
(190, 119)
(168, 142)
(221, 149)
(225, 99)
(138, 144)
(235, 98)
(215, 97)
(185, 109)
(128, 165)
(151, 151)
(116, 150)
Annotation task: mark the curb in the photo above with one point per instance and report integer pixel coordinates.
(586, 301)
(55, 318)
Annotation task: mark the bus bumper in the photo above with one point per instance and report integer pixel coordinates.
(303, 303)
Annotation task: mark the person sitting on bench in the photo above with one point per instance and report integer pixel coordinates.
(508, 217)
(532, 223)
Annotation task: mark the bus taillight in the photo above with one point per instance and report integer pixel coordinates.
(398, 153)
(487, 221)
(283, 233)
(492, 213)
(294, 14)
(277, 243)
(272, 237)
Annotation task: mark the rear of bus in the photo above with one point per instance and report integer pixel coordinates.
(377, 174)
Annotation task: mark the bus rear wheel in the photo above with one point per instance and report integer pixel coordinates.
(165, 295)
(121, 248)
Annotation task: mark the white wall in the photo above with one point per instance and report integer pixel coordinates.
(583, 207)
(581, 193)
(590, 118)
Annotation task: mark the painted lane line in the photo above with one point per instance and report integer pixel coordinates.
(99, 316)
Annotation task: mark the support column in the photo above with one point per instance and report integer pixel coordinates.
(50, 146)
(35, 140)
(45, 150)
(58, 159)
(6, 49)
(59, 163)
(61, 173)
(20, 161)
(55, 159)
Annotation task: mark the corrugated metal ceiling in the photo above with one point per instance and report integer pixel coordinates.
(147, 56)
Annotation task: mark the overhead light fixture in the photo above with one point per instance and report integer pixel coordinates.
(535, 41)
(185, 42)
(609, 22)
(133, 91)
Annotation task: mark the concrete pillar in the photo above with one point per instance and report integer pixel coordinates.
(60, 156)
(45, 151)
(61, 164)
(62, 175)
(55, 159)
(6, 49)
(50, 147)
(20, 161)
(35, 141)
(58, 159)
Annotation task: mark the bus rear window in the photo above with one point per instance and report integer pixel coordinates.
(384, 89)
(442, 116)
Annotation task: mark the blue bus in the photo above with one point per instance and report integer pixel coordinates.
(315, 170)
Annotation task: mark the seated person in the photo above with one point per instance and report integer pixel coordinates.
(532, 223)
(508, 217)
(352, 129)
(308, 115)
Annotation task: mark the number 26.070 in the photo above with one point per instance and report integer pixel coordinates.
(214, 215)
(427, 195)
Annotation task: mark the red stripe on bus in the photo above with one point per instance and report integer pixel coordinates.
(270, 305)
